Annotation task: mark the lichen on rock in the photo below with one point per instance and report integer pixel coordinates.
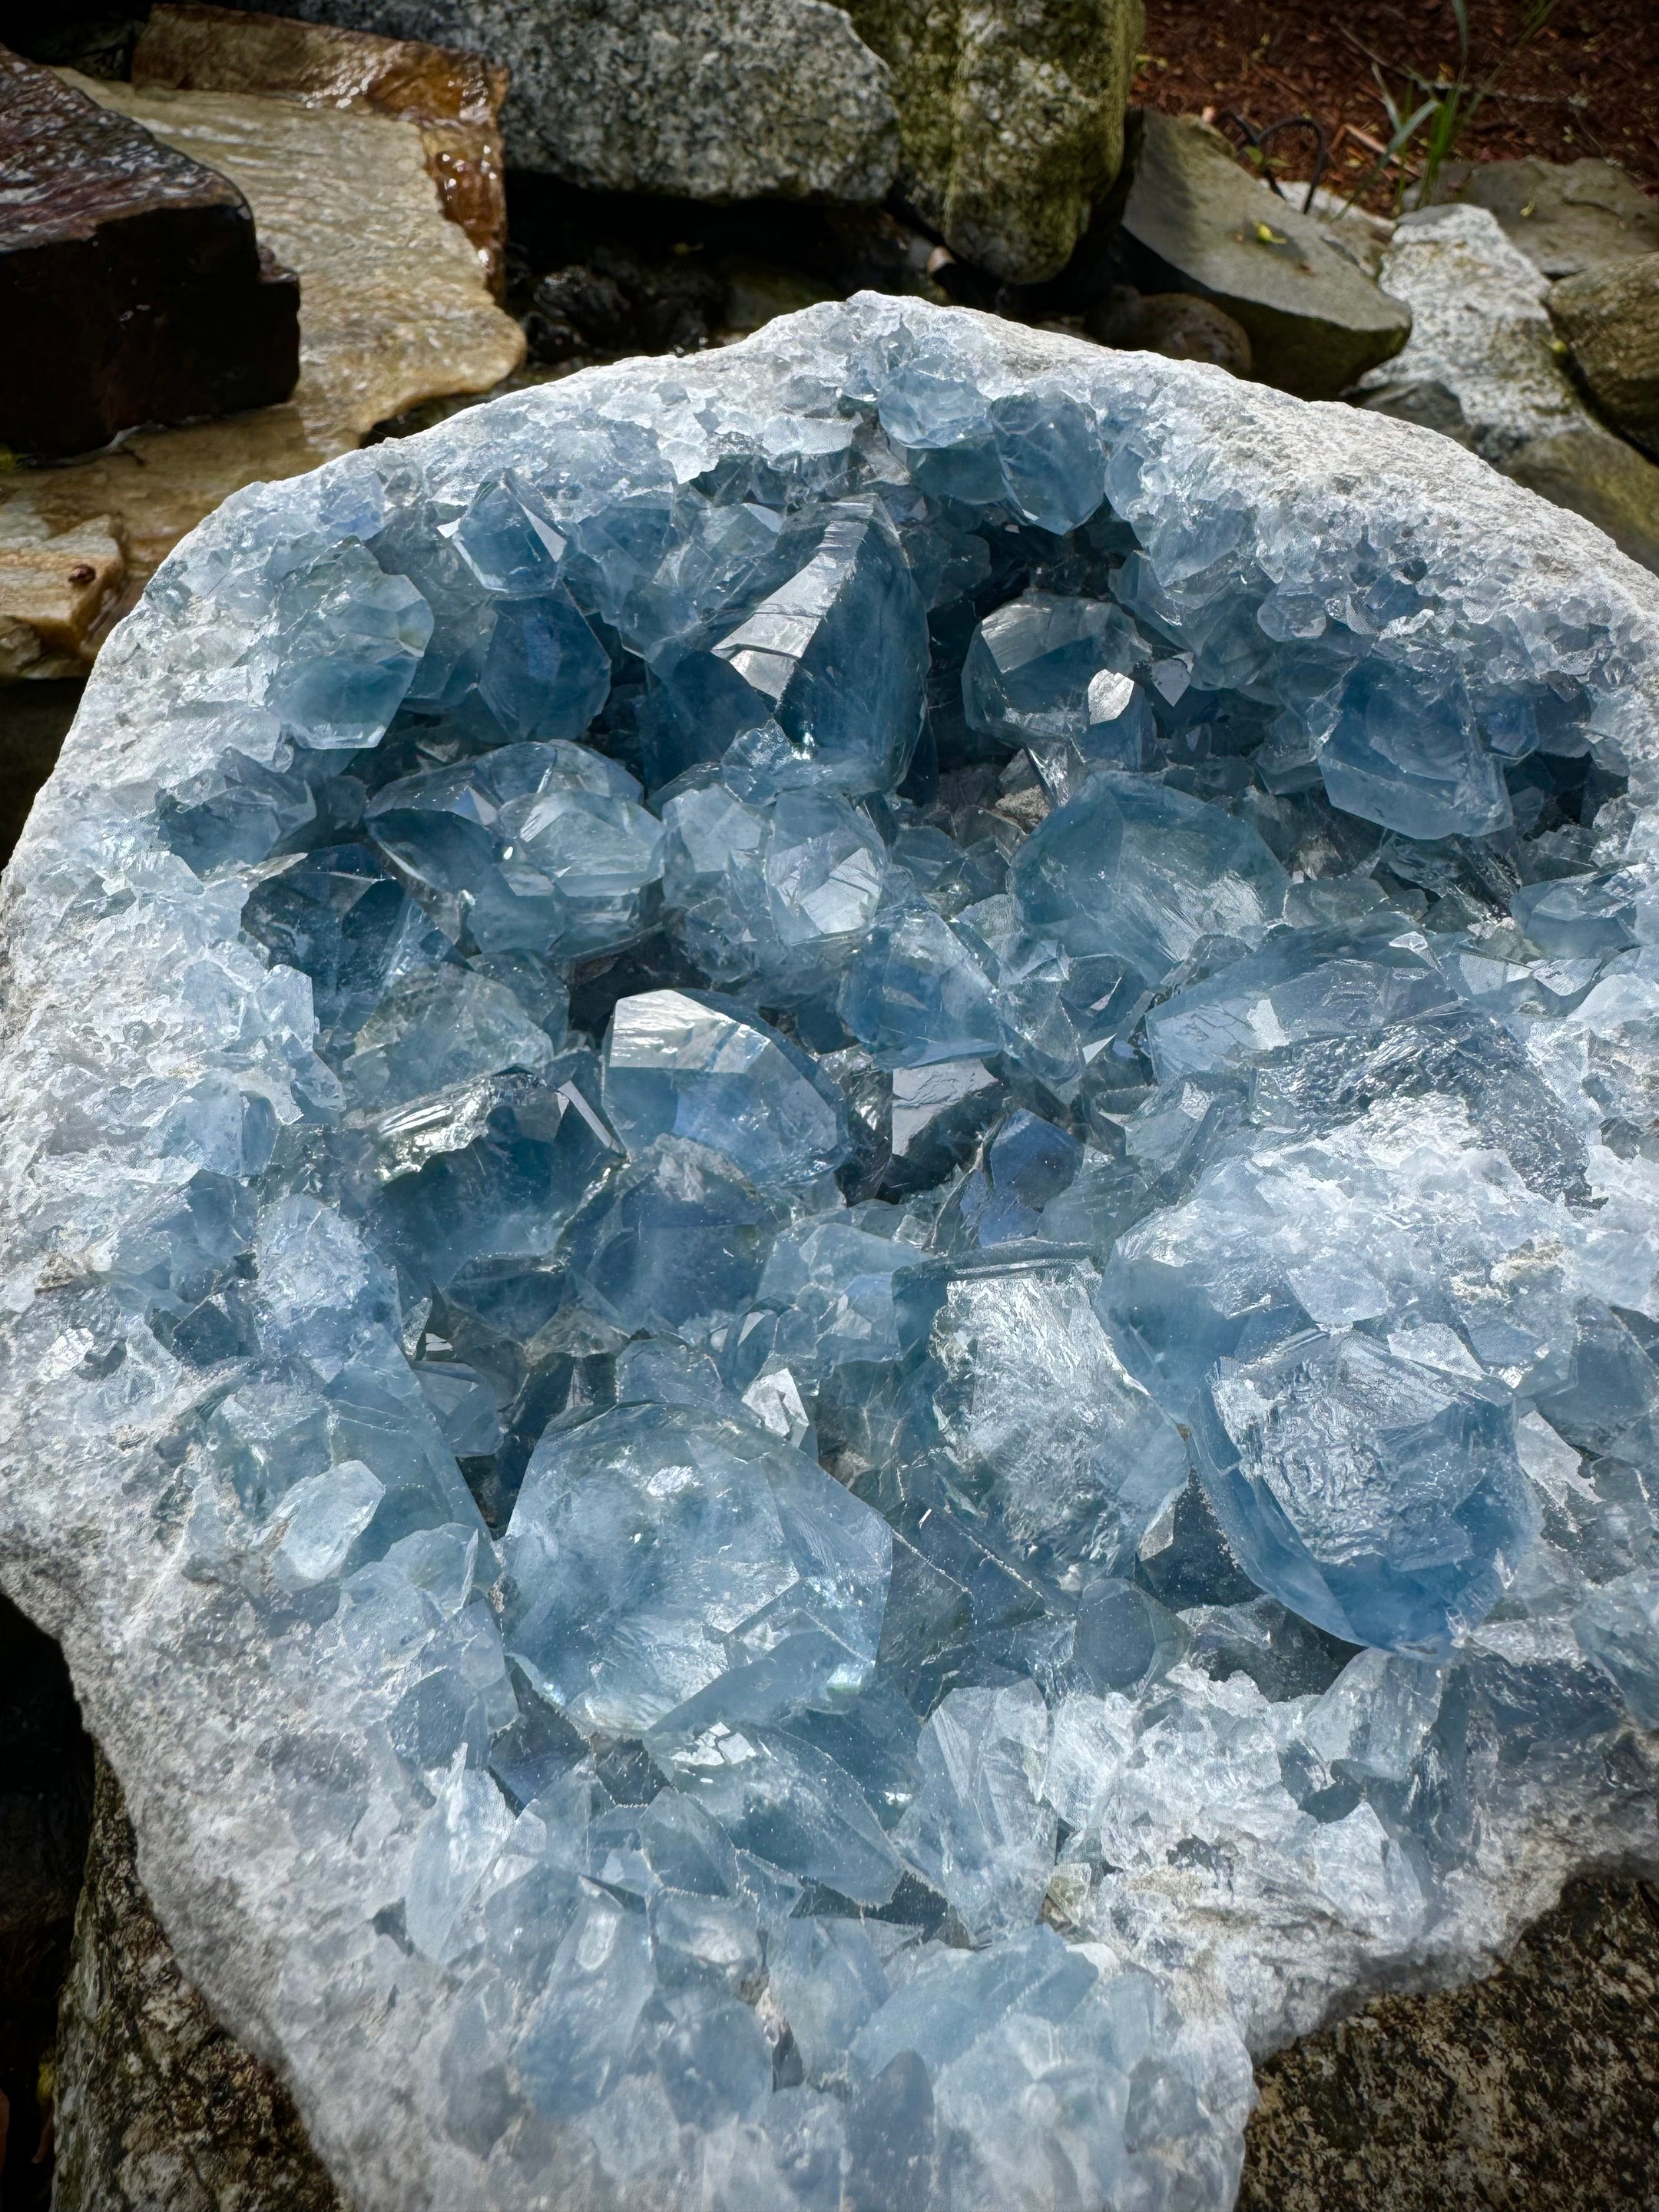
(1010, 118)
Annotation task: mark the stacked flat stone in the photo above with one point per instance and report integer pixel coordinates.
(132, 286)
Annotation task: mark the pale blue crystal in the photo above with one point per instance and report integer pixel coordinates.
(916, 994)
(508, 539)
(778, 896)
(831, 1285)
(978, 1829)
(698, 1066)
(1297, 988)
(1032, 665)
(653, 1548)
(1617, 1628)
(854, 598)
(1578, 916)
(1020, 1424)
(544, 674)
(829, 1980)
(1410, 760)
(502, 1184)
(438, 1027)
(336, 915)
(676, 1242)
(538, 848)
(1142, 873)
(348, 638)
(1375, 1496)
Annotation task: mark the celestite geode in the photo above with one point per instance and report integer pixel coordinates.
(829, 1262)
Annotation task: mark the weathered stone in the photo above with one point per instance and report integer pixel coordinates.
(1010, 118)
(1484, 367)
(1361, 237)
(396, 307)
(158, 2108)
(1196, 221)
(394, 310)
(207, 49)
(1536, 2090)
(730, 100)
(1174, 324)
(57, 595)
(1609, 317)
(132, 288)
(453, 98)
(1564, 215)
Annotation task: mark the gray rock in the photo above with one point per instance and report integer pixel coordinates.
(1361, 236)
(1196, 221)
(1609, 317)
(1564, 215)
(1174, 324)
(1536, 2090)
(708, 99)
(1010, 118)
(158, 2109)
(1484, 367)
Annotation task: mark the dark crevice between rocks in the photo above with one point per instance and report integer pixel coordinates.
(35, 720)
(45, 1811)
(1534, 2091)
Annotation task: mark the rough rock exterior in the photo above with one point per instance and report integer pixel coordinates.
(1532, 2091)
(731, 101)
(158, 2109)
(498, 1955)
(1010, 118)
(1484, 366)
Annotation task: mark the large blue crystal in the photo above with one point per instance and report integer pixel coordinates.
(676, 1065)
(655, 1548)
(1379, 1497)
(537, 848)
(779, 896)
(1138, 871)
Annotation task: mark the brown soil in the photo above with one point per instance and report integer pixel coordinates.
(1587, 83)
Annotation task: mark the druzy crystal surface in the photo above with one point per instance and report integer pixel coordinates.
(831, 1281)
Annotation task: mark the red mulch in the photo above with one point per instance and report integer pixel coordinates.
(1587, 84)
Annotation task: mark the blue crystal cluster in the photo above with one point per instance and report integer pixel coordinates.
(942, 1272)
